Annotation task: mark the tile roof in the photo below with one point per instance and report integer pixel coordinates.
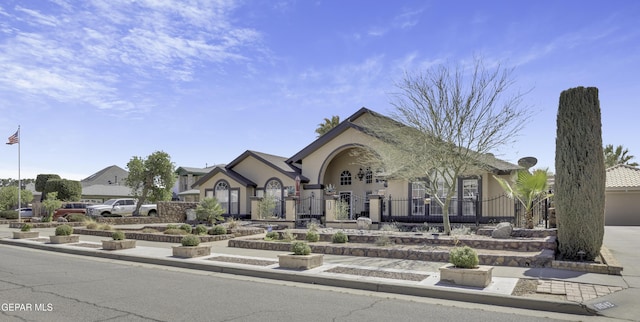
(623, 176)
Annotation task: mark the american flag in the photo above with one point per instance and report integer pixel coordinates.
(14, 138)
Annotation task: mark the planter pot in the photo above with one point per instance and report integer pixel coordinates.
(25, 234)
(476, 277)
(300, 261)
(64, 239)
(191, 251)
(118, 244)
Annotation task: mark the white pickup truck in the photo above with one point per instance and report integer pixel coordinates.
(120, 207)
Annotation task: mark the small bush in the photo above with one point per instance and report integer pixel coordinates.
(232, 223)
(383, 240)
(76, 217)
(393, 227)
(117, 235)
(464, 257)
(313, 225)
(105, 227)
(218, 230)
(190, 240)
(201, 230)
(187, 228)
(45, 219)
(26, 227)
(312, 236)
(272, 235)
(9, 214)
(150, 230)
(288, 235)
(64, 230)
(92, 225)
(339, 238)
(175, 231)
(460, 231)
(300, 248)
(172, 226)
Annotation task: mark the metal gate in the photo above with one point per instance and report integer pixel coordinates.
(309, 208)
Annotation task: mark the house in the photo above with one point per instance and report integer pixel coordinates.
(187, 176)
(330, 161)
(108, 183)
(622, 196)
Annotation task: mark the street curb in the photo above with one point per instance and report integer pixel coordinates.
(472, 296)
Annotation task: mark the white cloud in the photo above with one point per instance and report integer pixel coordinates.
(93, 53)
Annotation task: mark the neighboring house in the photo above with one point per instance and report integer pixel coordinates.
(622, 196)
(108, 183)
(187, 176)
(329, 161)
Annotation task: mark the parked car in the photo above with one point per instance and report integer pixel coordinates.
(71, 208)
(25, 212)
(119, 208)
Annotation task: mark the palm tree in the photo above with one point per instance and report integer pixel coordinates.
(616, 156)
(327, 125)
(528, 188)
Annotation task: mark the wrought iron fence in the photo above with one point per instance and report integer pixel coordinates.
(467, 210)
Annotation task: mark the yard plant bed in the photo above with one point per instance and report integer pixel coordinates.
(378, 273)
(156, 237)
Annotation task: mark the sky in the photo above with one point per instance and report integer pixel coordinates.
(94, 83)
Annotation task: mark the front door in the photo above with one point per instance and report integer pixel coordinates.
(345, 197)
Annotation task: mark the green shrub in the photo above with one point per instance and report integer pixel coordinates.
(76, 217)
(105, 227)
(117, 235)
(64, 230)
(9, 214)
(92, 225)
(383, 240)
(187, 228)
(300, 248)
(312, 236)
(312, 225)
(26, 227)
(463, 257)
(218, 230)
(288, 235)
(190, 240)
(339, 238)
(272, 235)
(201, 230)
(175, 231)
(172, 226)
(232, 223)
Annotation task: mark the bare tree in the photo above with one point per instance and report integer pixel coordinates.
(445, 124)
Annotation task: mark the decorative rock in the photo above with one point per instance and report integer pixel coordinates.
(503, 230)
(62, 219)
(364, 223)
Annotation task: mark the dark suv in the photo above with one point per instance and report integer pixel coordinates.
(71, 208)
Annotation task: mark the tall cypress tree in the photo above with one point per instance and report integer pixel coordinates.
(580, 174)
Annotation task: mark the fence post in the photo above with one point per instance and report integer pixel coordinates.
(478, 213)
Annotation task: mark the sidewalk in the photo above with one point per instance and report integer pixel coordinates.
(557, 290)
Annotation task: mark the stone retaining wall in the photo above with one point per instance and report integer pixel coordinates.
(521, 233)
(150, 237)
(541, 259)
(521, 245)
(51, 224)
(175, 211)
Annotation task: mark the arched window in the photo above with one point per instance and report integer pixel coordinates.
(273, 189)
(345, 178)
(222, 194)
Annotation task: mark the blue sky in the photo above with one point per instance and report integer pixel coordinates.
(94, 83)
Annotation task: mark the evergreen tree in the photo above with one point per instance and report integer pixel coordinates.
(580, 174)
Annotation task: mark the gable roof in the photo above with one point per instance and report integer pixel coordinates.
(278, 163)
(104, 190)
(230, 173)
(193, 170)
(334, 132)
(498, 165)
(622, 177)
(109, 175)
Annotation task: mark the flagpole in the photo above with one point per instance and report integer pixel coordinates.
(19, 181)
